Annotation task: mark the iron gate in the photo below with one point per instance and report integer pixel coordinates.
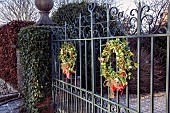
(84, 92)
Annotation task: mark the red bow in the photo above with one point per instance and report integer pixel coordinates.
(119, 88)
(66, 71)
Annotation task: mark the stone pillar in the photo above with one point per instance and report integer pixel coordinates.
(19, 72)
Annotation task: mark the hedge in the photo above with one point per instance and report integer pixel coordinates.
(8, 59)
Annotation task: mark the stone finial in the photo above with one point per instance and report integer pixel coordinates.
(44, 6)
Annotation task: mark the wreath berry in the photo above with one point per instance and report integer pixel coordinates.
(117, 80)
(68, 58)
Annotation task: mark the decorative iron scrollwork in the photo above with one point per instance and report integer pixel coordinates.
(109, 21)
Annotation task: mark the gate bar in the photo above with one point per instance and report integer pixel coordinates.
(167, 63)
(152, 76)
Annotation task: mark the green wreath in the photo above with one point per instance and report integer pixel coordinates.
(117, 80)
(68, 57)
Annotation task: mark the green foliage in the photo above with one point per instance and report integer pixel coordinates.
(34, 45)
(124, 58)
(68, 57)
(69, 12)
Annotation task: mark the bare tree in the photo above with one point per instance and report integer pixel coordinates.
(17, 10)
(59, 3)
(158, 9)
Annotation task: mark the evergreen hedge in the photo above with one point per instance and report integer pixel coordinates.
(8, 60)
(69, 12)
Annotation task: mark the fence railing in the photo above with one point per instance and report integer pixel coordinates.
(84, 92)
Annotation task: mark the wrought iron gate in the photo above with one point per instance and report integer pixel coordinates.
(84, 92)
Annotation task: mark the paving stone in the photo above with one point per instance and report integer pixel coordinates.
(4, 107)
(5, 111)
(15, 111)
(11, 107)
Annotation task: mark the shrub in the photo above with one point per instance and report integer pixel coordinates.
(8, 59)
(159, 68)
(68, 13)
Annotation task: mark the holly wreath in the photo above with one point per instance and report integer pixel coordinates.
(117, 80)
(68, 58)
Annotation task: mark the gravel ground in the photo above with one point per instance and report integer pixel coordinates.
(11, 106)
(159, 102)
(5, 88)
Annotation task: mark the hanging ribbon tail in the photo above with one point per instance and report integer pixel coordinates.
(121, 93)
(68, 75)
(109, 84)
(112, 94)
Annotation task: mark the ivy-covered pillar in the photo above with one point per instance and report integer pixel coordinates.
(35, 56)
(34, 44)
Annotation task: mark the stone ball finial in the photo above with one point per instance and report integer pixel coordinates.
(44, 6)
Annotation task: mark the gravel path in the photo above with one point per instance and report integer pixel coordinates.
(159, 102)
